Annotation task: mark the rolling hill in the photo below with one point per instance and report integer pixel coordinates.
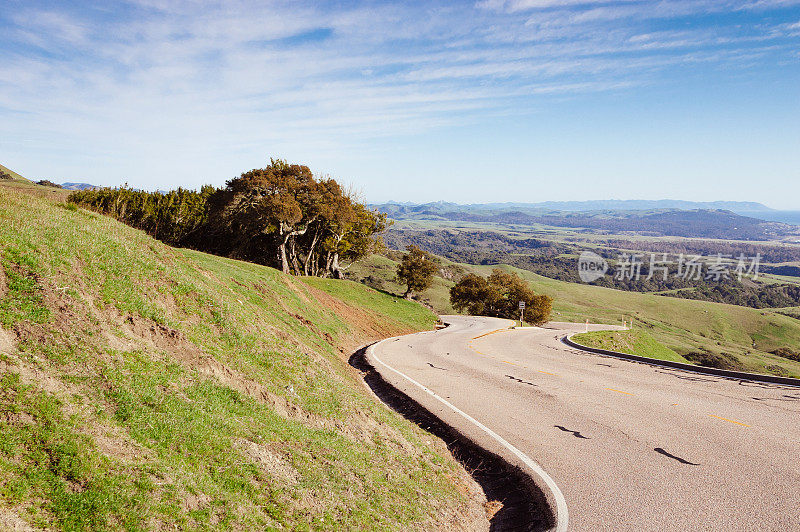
(12, 173)
(713, 333)
(148, 387)
(694, 223)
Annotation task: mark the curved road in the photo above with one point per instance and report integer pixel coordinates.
(631, 446)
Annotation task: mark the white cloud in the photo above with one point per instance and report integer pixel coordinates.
(197, 80)
(525, 5)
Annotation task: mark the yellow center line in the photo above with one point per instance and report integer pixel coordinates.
(619, 391)
(546, 372)
(494, 357)
(488, 333)
(480, 353)
(730, 420)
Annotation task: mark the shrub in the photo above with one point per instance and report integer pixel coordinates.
(499, 295)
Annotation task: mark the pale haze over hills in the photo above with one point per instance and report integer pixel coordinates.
(742, 208)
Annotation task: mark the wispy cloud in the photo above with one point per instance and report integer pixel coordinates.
(165, 78)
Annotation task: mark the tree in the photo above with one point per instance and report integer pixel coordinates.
(499, 296)
(416, 270)
(266, 208)
(359, 237)
(474, 294)
(280, 216)
(343, 232)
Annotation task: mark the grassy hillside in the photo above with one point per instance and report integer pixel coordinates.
(12, 173)
(379, 272)
(712, 333)
(147, 387)
(635, 342)
(740, 335)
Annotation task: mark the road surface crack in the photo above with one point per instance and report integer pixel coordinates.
(659, 450)
(520, 380)
(575, 433)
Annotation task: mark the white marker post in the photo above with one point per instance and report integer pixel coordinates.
(587, 326)
(521, 312)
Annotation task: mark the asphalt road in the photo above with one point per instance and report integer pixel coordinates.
(630, 446)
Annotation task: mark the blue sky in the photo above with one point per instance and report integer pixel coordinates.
(494, 100)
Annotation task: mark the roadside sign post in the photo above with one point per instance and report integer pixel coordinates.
(521, 312)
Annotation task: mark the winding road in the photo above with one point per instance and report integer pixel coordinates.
(619, 445)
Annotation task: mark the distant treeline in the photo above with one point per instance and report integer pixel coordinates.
(696, 223)
(560, 261)
(280, 216)
(733, 293)
(771, 253)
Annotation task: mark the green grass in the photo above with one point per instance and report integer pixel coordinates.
(380, 272)
(401, 310)
(160, 388)
(681, 325)
(634, 342)
(12, 173)
(24, 299)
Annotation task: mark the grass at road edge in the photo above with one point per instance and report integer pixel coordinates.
(633, 342)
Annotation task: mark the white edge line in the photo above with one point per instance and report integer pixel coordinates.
(562, 514)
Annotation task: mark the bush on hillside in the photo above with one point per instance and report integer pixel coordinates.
(499, 295)
(280, 216)
(786, 352)
(714, 360)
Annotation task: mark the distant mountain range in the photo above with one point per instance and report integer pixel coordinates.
(739, 207)
(753, 221)
(647, 205)
(751, 209)
(79, 186)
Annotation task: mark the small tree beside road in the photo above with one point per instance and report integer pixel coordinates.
(499, 295)
(416, 270)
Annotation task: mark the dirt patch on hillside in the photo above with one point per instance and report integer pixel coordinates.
(10, 521)
(3, 283)
(268, 460)
(302, 293)
(365, 326)
(7, 343)
(145, 333)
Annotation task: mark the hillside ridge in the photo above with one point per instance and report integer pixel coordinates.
(150, 387)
